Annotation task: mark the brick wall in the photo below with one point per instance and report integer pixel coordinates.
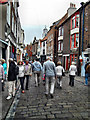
(66, 39)
(87, 27)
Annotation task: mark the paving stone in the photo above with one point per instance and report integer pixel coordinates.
(54, 112)
(63, 115)
(50, 116)
(70, 103)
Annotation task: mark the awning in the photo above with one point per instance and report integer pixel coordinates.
(3, 41)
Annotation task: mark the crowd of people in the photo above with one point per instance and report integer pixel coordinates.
(51, 74)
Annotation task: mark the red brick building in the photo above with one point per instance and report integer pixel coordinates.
(74, 37)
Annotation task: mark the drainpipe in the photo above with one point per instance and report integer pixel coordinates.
(79, 52)
(82, 25)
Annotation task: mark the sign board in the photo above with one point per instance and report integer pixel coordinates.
(3, 1)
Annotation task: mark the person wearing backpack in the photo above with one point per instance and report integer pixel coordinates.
(11, 79)
(16, 71)
(87, 71)
(37, 68)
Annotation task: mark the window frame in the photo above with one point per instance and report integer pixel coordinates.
(74, 57)
(75, 37)
(61, 31)
(76, 15)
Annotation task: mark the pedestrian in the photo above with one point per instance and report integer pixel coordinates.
(50, 73)
(87, 71)
(21, 75)
(5, 73)
(11, 79)
(37, 68)
(17, 72)
(59, 71)
(5, 68)
(72, 70)
(2, 77)
(28, 73)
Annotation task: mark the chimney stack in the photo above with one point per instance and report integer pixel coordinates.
(72, 5)
(71, 9)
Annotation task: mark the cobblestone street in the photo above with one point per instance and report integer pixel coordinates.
(68, 104)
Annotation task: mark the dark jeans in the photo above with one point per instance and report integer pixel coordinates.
(2, 84)
(71, 83)
(22, 82)
(27, 81)
(87, 75)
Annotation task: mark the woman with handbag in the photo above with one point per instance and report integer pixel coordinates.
(21, 75)
(60, 72)
(72, 70)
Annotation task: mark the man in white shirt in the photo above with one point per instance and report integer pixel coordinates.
(72, 70)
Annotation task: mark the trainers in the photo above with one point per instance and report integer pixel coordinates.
(9, 97)
(27, 89)
(51, 95)
(60, 87)
(46, 95)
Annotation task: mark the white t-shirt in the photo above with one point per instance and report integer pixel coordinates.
(59, 70)
(73, 70)
(21, 71)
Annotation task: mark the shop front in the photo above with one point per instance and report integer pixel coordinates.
(3, 48)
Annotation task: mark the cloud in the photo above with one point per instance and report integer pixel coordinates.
(35, 14)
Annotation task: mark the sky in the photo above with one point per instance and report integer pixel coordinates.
(35, 14)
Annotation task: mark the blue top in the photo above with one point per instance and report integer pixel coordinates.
(5, 68)
(49, 68)
(37, 66)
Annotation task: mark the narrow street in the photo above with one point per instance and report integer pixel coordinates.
(68, 103)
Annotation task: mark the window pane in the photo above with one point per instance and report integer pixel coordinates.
(72, 40)
(75, 59)
(73, 23)
(77, 22)
(77, 15)
(72, 58)
(61, 31)
(62, 46)
(58, 45)
(77, 40)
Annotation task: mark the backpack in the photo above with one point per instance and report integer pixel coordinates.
(88, 68)
(16, 70)
(37, 65)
